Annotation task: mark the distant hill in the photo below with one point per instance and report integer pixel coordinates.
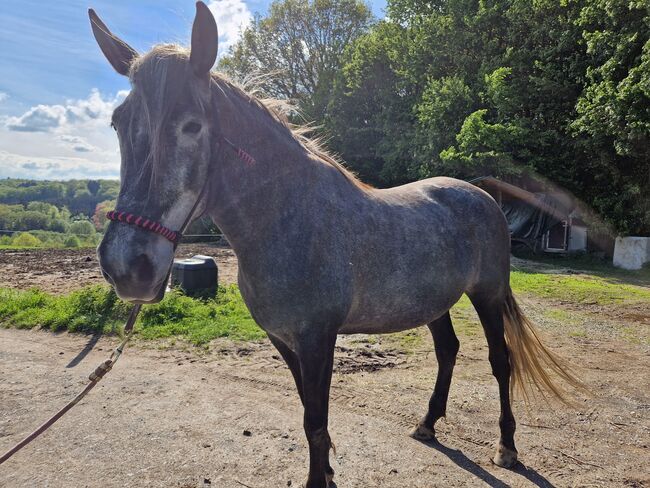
(79, 196)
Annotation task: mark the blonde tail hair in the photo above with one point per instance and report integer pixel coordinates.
(532, 365)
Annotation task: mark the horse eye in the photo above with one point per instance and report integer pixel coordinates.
(192, 128)
(113, 127)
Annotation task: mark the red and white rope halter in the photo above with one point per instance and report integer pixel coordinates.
(144, 223)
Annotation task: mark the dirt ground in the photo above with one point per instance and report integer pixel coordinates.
(230, 417)
(64, 270)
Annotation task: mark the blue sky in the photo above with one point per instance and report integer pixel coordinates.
(56, 89)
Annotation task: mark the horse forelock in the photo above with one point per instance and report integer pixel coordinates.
(159, 79)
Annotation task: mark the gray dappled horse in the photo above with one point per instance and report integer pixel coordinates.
(320, 253)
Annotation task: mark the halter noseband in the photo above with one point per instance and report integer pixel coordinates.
(146, 224)
(174, 236)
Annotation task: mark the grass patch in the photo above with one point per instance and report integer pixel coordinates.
(200, 320)
(90, 309)
(588, 263)
(407, 341)
(97, 308)
(577, 289)
(464, 318)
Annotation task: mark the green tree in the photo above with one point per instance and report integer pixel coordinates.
(82, 228)
(485, 148)
(513, 88)
(295, 51)
(614, 111)
(369, 119)
(93, 186)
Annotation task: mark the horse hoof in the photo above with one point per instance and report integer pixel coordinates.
(329, 477)
(505, 457)
(423, 433)
(329, 482)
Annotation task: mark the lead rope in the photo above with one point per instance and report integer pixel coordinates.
(94, 378)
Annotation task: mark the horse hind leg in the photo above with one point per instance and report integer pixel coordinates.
(490, 312)
(446, 345)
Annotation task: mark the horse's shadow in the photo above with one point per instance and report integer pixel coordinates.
(462, 461)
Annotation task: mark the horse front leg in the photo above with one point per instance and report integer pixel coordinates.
(316, 358)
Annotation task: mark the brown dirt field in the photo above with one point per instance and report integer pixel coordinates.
(64, 270)
(176, 416)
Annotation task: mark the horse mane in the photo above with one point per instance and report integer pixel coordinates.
(168, 76)
(278, 111)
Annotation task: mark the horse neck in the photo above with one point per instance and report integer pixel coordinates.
(246, 197)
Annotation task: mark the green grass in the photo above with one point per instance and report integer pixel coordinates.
(97, 309)
(464, 318)
(578, 288)
(9, 247)
(588, 263)
(198, 321)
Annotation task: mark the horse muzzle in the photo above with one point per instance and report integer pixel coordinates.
(137, 275)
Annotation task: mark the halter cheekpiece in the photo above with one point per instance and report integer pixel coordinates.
(156, 227)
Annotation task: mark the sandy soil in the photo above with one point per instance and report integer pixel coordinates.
(64, 270)
(231, 418)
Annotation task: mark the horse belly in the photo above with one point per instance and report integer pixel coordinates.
(396, 311)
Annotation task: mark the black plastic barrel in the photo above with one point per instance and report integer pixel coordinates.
(195, 275)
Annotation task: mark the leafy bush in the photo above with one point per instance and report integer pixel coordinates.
(72, 241)
(25, 239)
(55, 239)
(82, 228)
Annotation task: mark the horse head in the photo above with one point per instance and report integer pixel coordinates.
(165, 129)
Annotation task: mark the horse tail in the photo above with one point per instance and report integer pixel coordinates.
(532, 364)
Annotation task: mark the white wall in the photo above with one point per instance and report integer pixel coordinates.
(631, 252)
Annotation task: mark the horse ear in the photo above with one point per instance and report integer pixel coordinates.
(205, 40)
(118, 52)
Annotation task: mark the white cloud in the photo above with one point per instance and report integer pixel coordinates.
(38, 119)
(3, 96)
(232, 16)
(43, 118)
(70, 140)
(54, 168)
(77, 143)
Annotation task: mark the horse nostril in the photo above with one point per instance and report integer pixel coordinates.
(142, 268)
